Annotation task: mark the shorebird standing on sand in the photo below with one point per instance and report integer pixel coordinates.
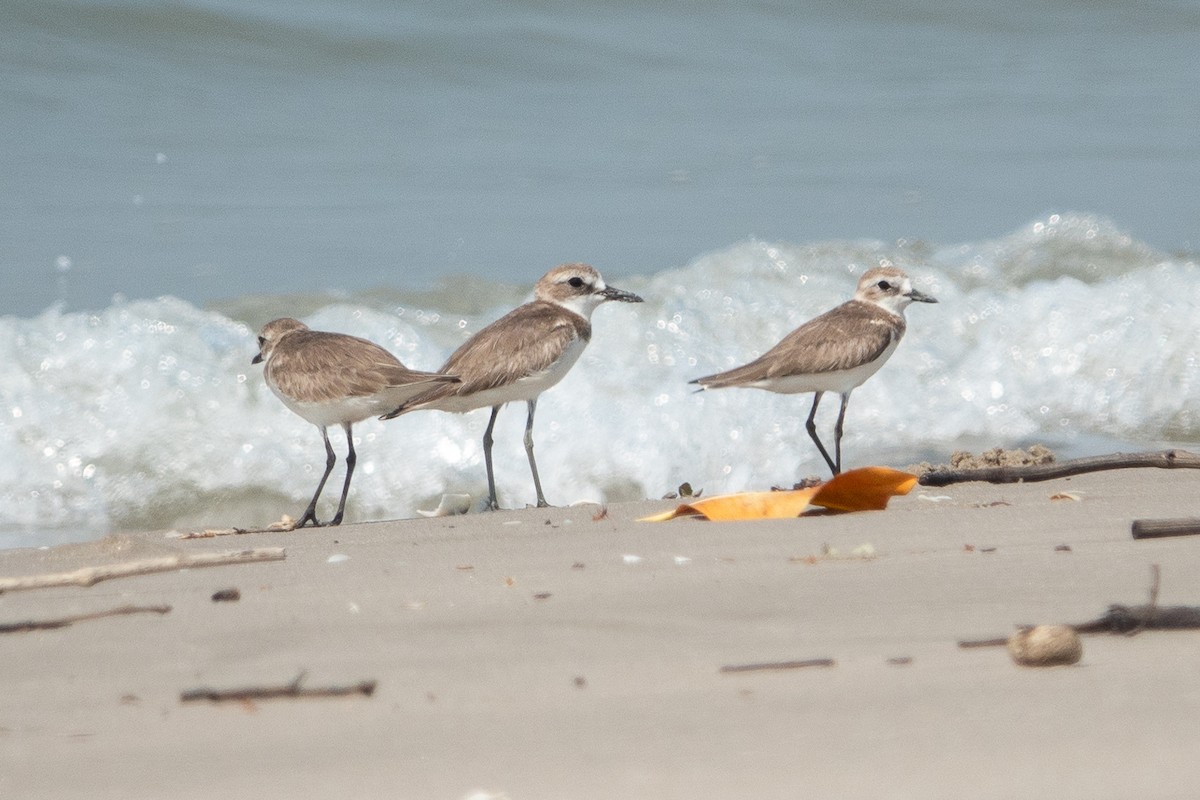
(335, 379)
(521, 355)
(835, 352)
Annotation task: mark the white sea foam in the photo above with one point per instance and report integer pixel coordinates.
(150, 412)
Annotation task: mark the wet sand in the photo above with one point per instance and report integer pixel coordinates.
(548, 654)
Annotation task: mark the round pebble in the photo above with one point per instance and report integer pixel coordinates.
(1046, 646)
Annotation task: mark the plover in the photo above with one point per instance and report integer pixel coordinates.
(521, 355)
(335, 379)
(834, 352)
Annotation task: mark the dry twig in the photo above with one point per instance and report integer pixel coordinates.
(779, 665)
(1128, 620)
(1164, 459)
(1134, 619)
(284, 525)
(293, 690)
(967, 644)
(89, 576)
(63, 622)
(1152, 607)
(1159, 528)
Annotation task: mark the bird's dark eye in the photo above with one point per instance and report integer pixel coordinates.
(884, 285)
(262, 340)
(577, 282)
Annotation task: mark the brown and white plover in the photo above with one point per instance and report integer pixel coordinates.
(335, 379)
(835, 352)
(521, 355)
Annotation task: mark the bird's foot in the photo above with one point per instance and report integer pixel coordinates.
(309, 517)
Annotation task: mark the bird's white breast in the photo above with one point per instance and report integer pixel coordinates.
(841, 381)
(348, 409)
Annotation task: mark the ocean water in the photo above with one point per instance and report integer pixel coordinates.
(213, 148)
(175, 174)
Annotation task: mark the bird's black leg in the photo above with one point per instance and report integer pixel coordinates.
(537, 482)
(310, 513)
(812, 432)
(351, 457)
(837, 433)
(487, 459)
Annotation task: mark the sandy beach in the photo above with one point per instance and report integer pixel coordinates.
(545, 653)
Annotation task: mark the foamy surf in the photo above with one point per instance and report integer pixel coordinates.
(149, 413)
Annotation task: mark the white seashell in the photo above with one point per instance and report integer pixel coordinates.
(451, 505)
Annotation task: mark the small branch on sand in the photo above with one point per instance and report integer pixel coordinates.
(1159, 528)
(285, 524)
(1164, 459)
(293, 689)
(966, 644)
(779, 665)
(89, 576)
(1133, 619)
(1152, 607)
(63, 622)
(1129, 620)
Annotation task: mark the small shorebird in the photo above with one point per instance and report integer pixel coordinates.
(835, 352)
(335, 379)
(521, 355)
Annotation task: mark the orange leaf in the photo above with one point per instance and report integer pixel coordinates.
(744, 505)
(755, 505)
(864, 489)
(675, 513)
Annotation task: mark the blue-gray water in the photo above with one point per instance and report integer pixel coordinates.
(208, 149)
(404, 171)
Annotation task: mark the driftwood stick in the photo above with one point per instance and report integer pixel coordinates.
(89, 576)
(293, 689)
(285, 525)
(779, 665)
(1131, 619)
(1163, 459)
(1125, 620)
(210, 533)
(62, 622)
(967, 644)
(1152, 609)
(1158, 528)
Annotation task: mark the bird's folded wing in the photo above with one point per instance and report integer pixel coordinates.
(855, 335)
(527, 341)
(320, 373)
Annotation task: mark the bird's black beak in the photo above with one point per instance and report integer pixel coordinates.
(257, 359)
(612, 293)
(919, 297)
